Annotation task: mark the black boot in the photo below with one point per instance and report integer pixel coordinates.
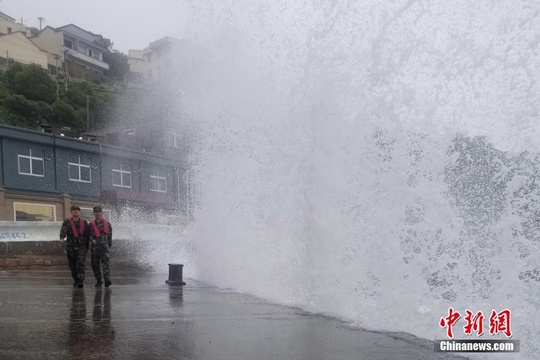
(108, 283)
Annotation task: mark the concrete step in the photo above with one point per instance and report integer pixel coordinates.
(33, 262)
(54, 262)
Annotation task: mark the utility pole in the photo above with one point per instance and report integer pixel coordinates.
(66, 69)
(87, 112)
(186, 177)
(56, 56)
(41, 19)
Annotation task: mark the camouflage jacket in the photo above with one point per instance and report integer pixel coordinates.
(103, 236)
(67, 231)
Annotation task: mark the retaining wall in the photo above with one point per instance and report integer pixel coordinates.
(32, 242)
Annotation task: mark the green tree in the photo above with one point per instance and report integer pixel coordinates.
(31, 81)
(21, 111)
(100, 100)
(101, 106)
(117, 60)
(63, 114)
(118, 64)
(28, 97)
(77, 93)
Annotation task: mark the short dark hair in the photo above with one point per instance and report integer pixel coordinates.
(97, 208)
(75, 207)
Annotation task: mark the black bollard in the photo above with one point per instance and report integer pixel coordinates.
(175, 275)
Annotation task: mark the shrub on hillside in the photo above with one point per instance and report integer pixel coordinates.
(32, 82)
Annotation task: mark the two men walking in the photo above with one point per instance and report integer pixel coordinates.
(80, 234)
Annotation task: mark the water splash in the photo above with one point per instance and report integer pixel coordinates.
(338, 166)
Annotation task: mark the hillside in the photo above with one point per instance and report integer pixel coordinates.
(30, 97)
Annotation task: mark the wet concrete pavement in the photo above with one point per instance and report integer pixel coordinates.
(139, 317)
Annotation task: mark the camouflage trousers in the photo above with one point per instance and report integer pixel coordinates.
(76, 255)
(101, 261)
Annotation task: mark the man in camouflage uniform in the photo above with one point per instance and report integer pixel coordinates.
(101, 234)
(76, 231)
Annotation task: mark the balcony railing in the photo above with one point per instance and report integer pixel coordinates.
(86, 58)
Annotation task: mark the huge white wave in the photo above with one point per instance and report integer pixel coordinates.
(372, 160)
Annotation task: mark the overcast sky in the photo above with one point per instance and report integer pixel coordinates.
(130, 24)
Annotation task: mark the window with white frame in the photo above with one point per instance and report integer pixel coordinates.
(121, 177)
(171, 139)
(31, 162)
(83, 49)
(79, 169)
(158, 181)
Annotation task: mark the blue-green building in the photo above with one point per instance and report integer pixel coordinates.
(42, 175)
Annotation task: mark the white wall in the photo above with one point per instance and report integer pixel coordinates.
(4, 25)
(49, 231)
(18, 47)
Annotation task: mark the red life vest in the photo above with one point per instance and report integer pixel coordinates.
(106, 229)
(74, 228)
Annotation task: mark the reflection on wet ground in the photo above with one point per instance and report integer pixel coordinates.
(43, 317)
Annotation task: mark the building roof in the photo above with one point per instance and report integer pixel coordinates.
(109, 130)
(85, 35)
(23, 34)
(39, 137)
(135, 54)
(23, 37)
(33, 31)
(13, 33)
(6, 15)
(166, 39)
(92, 38)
